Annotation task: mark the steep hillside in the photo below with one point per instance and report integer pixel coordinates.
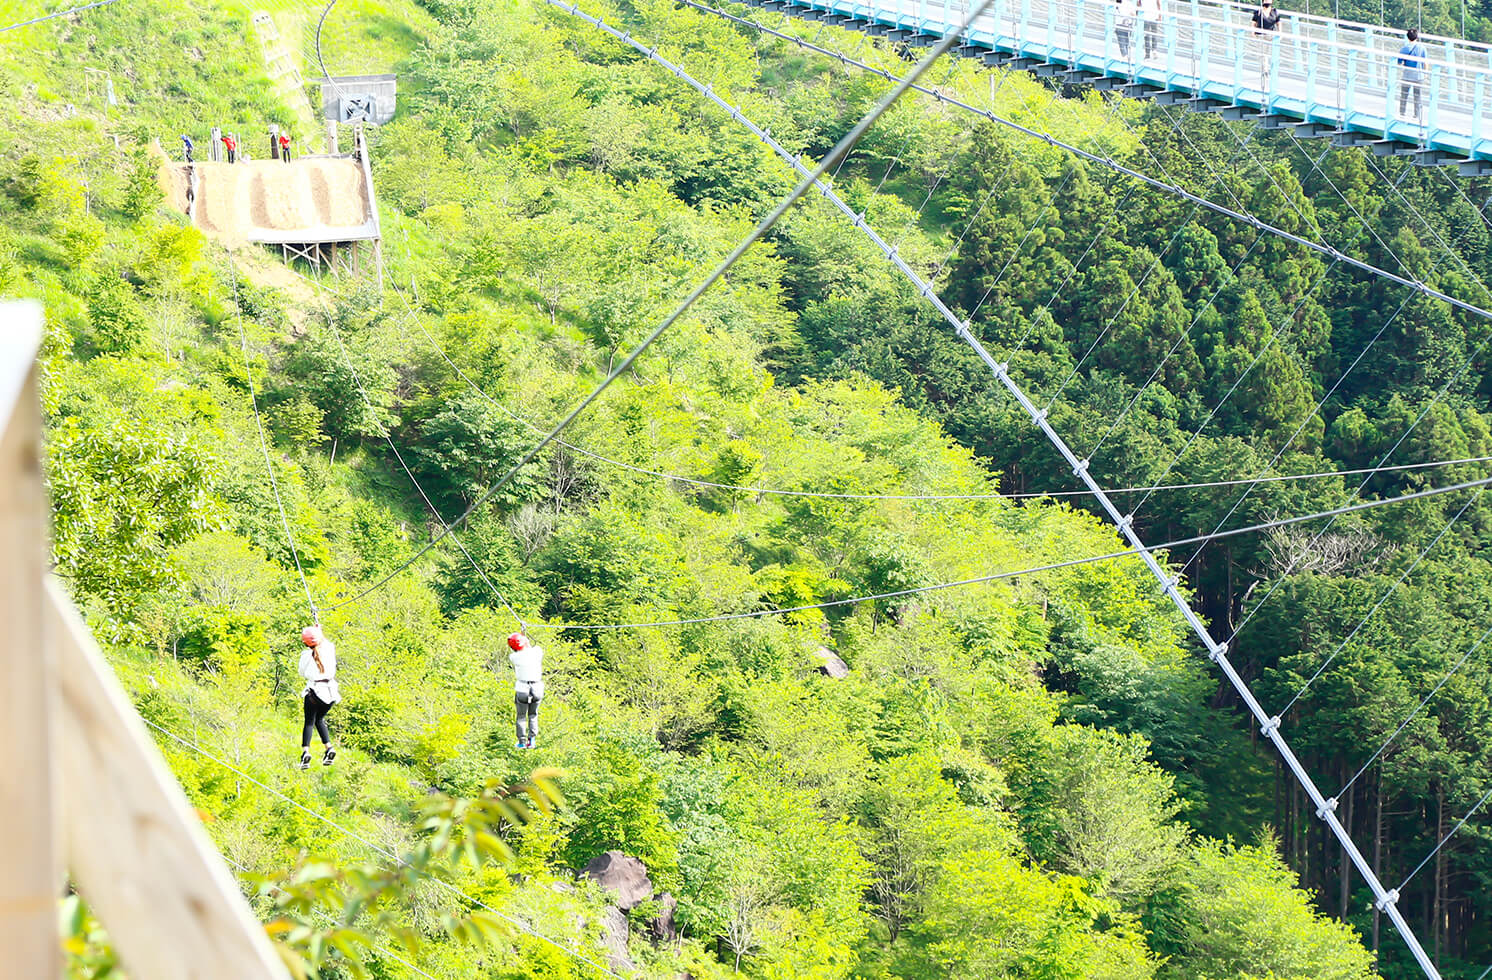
(1021, 777)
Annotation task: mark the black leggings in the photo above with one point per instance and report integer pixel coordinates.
(316, 710)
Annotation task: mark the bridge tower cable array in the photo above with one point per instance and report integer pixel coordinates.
(1386, 901)
(1159, 184)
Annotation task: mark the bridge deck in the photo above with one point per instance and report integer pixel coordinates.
(1340, 74)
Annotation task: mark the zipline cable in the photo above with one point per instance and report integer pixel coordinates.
(1170, 188)
(1131, 552)
(835, 155)
(412, 314)
(390, 855)
(269, 465)
(245, 872)
(387, 438)
(60, 13)
(909, 497)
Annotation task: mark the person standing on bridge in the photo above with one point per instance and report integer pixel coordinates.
(528, 686)
(1124, 25)
(318, 665)
(1412, 57)
(1148, 13)
(1266, 29)
(285, 145)
(231, 146)
(186, 145)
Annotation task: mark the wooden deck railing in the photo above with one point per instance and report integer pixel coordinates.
(83, 791)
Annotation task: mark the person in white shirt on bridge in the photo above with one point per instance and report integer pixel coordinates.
(1148, 13)
(1412, 58)
(1124, 25)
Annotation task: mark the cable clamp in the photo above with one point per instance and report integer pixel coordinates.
(1001, 367)
(860, 219)
(1216, 652)
(1040, 416)
(1125, 522)
(1080, 468)
(1330, 806)
(1270, 727)
(1391, 898)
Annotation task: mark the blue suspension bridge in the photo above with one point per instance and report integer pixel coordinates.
(1315, 76)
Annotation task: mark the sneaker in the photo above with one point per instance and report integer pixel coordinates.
(521, 744)
(305, 758)
(530, 743)
(331, 754)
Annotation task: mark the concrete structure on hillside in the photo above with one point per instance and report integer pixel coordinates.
(366, 99)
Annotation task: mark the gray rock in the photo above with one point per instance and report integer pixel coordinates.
(830, 665)
(662, 929)
(614, 933)
(623, 876)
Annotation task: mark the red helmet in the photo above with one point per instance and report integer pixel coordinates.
(517, 641)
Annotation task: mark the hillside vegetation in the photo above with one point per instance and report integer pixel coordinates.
(1032, 777)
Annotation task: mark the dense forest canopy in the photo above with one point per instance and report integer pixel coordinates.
(1039, 776)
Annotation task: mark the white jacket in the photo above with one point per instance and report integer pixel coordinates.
(528, 667)
(323, 681)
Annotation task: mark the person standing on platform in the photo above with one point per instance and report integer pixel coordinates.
(231, 146)
(284, 146)
(1412, 58)
(186, 145)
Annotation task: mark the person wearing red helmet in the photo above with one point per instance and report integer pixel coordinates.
(318, 665)
(528, 686)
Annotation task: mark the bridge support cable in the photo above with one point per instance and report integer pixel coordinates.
(331, 321)
(1423, 413)
(845, 144)
(1218, 652)
(269, 465)
(1445, 840)
(1408, 570)
(1155, 264)
(1155, 182)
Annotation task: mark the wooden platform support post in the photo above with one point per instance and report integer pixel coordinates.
(31, 881)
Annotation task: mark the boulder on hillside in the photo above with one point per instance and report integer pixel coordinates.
(830, 665)
(622, 875)
(614, 933)
(662, 929)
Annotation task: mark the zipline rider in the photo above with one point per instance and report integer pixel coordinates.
(528, 686)
(318, 665)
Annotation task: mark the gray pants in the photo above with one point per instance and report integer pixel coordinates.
(1408, 90)
(526, 697)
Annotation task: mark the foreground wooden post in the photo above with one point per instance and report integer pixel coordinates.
(32, 877)
(79, 774)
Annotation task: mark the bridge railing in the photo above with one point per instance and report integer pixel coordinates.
(1314, 68)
